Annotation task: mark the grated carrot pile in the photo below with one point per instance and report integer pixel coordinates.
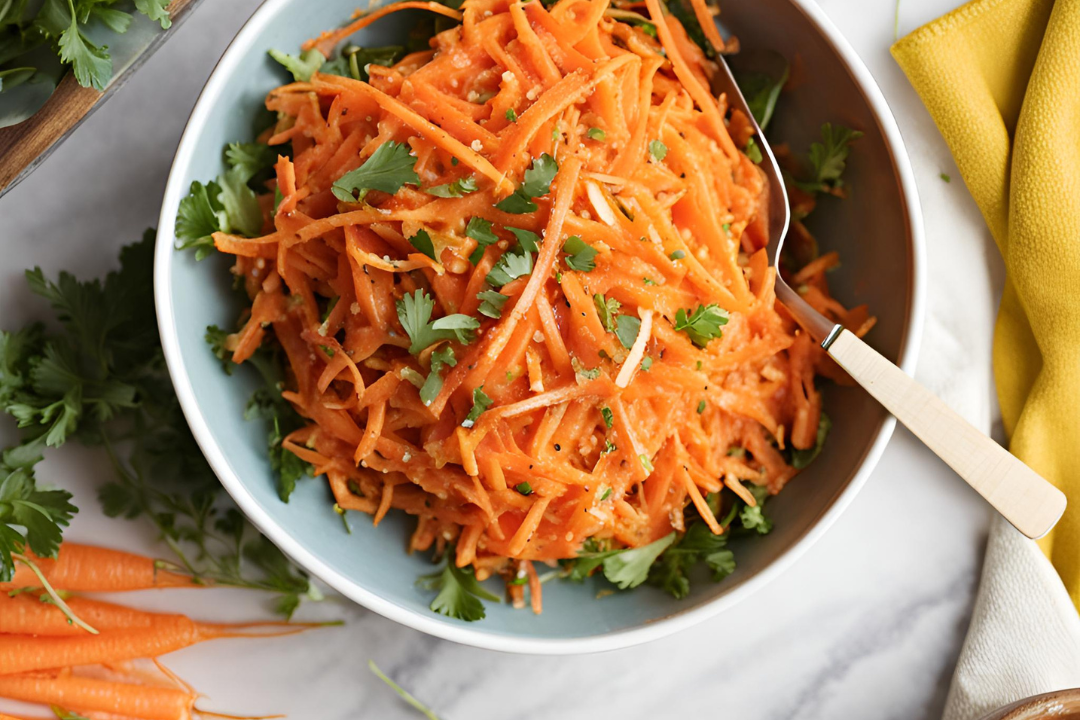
(586, 437)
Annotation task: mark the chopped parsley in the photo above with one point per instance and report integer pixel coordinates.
(607, 308)
(677, 255)
(625, 568)
(579, 254)
(524, 488)
(605, 495)
(703, 324)
(627, 329)
(672, 571)
(510, 266)
(455, 189)
(480, 230)
(646, 462)
(511, 115)
(389, 168)
(301, 66)
(422, 242)
(701, 407)
(649, 281)
(646, 364)
(440, 359)
(491, 303)
(537, 183)
(597, 134)
(609, 417)
(460, 594)
(414, 312)
(657, 150)
(481, 402)
(753, 518)
(828, 158)
(945, 177)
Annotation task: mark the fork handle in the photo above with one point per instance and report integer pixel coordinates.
(1022, 496)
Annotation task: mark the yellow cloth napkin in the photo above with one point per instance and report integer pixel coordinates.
(1001, 78)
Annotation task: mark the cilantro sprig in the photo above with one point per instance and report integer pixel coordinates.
(227, 204)
(63, 24)
(459, 594)
(537, 183)
(626, 568)
(703, 324)
(387, 169)
(414, 311)
(828, 159)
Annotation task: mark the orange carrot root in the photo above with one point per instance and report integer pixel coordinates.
(86, 568)
(87, 695)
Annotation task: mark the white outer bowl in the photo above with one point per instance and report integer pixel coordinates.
(428, 622)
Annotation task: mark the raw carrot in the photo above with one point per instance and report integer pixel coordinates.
(81, 694)
(165, 634)
(87, 568)
(26, 614)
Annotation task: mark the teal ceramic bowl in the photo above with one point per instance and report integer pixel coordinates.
(877, 231)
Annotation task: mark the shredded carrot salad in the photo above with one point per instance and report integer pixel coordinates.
(572, 247)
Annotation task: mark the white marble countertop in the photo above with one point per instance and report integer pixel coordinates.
(867, 625)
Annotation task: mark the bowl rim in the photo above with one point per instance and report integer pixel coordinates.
(678, 620)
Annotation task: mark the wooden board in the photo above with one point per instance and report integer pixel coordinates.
(25, 146)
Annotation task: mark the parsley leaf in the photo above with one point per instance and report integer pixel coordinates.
(388, 168)
(753, 518)
(302, 66)
(537, 183)
(250, 159)
(91, 64)
(657, 150)
(626, 568)
(607, 308)
(609, 417)
(480, 230)
(698, 543)
(414, 312)
(491, 303)
(481, 402)
(422, 242)
(527, 239)
(801, 458)
(596, 134)
(579, 254)
(627, 330)
(354, 60)
(510, 266)
(703, 324)
(440, 359)
(762, 91)
(459, 592)
(829, 158)
(155, 10)
(457, 188)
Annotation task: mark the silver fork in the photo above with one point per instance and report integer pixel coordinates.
(1023, 497)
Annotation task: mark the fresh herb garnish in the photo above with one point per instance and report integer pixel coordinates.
(459, 592)
(524, 488)
(609, 417)
(388, 168)
(481, 402)
(607, 308)
(762, 91)
(753, 518)
(597, 134)
(422, 242)
(301, 66)
(703, 324)
(414, 312)
(657, 150)
(828, 159)
(491, 303)
(627, 329)
(677, 255)
(672, 571)
(480, 230)
(579, 254)
(625, 568)
(440, 359)
(510, 266)
(646, 364)
(511, 115)
(753, 151)
(537, 183)
(354, 60)
(701, 407)
(457, 188)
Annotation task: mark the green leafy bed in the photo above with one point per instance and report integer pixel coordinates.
(100, 378)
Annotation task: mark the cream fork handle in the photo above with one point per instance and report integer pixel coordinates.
(1016, 491)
